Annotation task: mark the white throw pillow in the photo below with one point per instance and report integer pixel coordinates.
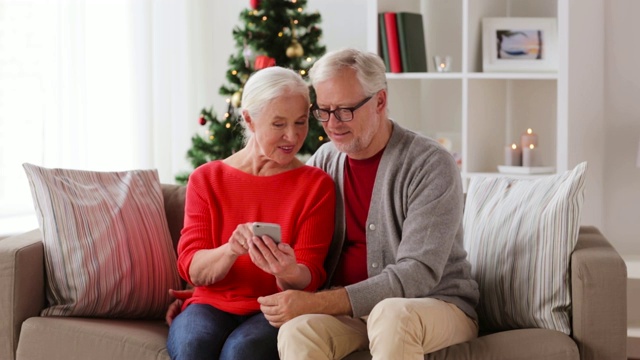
(108, 251)
(519, 235)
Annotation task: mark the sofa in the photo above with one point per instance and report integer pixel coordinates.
(598, 327)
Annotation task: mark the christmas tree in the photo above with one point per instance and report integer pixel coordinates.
(273, 32)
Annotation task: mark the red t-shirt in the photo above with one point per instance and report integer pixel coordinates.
(359, 178)
(219, 197)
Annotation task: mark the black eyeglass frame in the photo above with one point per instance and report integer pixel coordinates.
(335, 113)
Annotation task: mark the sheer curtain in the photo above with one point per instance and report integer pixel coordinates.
(98, 85)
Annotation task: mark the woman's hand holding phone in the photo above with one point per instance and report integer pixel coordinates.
(275, 257)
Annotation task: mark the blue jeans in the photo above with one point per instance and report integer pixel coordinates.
(204, 332)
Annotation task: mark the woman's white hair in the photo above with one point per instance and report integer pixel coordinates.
(268, 84)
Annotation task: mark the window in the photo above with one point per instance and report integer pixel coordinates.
(66, 95)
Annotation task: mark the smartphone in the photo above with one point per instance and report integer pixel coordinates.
(271, 229)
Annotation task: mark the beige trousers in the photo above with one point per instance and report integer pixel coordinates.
(396, 329)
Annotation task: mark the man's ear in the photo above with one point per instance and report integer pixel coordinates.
(381, 104)
(247, 119)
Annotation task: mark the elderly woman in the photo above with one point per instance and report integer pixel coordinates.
(218, 252)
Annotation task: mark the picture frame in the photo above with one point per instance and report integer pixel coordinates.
(518, 44)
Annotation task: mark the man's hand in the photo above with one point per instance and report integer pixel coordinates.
(284, 306)
(176, 307)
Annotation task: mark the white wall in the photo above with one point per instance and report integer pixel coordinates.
(622, 125)
(586, 103)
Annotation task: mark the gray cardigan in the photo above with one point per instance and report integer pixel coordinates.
(414, 226)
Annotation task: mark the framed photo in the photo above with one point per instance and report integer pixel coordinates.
(519, 44)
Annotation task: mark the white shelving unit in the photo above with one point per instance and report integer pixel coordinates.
(480, 112)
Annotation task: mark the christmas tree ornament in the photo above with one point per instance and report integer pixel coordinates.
(202, 120)
(255, 4)
(295, 49)
(236, 98)
(247, 53)
(264, 61)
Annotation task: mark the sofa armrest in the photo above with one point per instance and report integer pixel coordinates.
(22, 282)
(599, 293)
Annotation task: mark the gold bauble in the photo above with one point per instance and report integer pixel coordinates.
(295, 49)
(236, 99)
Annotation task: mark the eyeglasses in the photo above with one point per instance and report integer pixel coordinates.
(343, 114)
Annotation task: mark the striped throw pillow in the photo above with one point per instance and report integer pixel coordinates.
(108, 252)
(519, 235)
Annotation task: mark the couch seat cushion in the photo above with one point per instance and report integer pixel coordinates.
(525, 344)
(66, 338)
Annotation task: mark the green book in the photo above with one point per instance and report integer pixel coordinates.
(413, 49)
(382, 42)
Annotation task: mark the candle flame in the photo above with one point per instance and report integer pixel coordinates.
(529, 131)
(531, 146)
(513, 146)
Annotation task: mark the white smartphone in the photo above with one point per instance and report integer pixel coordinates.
(271, 229)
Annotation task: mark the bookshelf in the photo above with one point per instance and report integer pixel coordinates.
(480, 112)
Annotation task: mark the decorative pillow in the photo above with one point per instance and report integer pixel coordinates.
(519, 235)
(108, 252)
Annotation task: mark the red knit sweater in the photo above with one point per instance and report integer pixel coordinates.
(219, 197)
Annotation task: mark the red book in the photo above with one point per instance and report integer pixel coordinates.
(391, 25)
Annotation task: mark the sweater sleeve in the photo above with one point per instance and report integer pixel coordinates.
(196, 233)
(315, 229)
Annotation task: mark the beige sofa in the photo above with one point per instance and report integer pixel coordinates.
(598, 277)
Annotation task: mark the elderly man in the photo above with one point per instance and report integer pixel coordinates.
(400, 281)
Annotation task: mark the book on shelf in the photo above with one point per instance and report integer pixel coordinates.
(391, 27)
(382, 42)
(413, 50)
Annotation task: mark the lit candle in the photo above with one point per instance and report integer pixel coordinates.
(530, 156)
(512, 155)
(442, 63)
(528, 138)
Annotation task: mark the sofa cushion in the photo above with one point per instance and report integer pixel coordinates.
(519, 235)
(108, 252)
(174, 197)
(97, 339)
(509, 345)
(520, 344)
